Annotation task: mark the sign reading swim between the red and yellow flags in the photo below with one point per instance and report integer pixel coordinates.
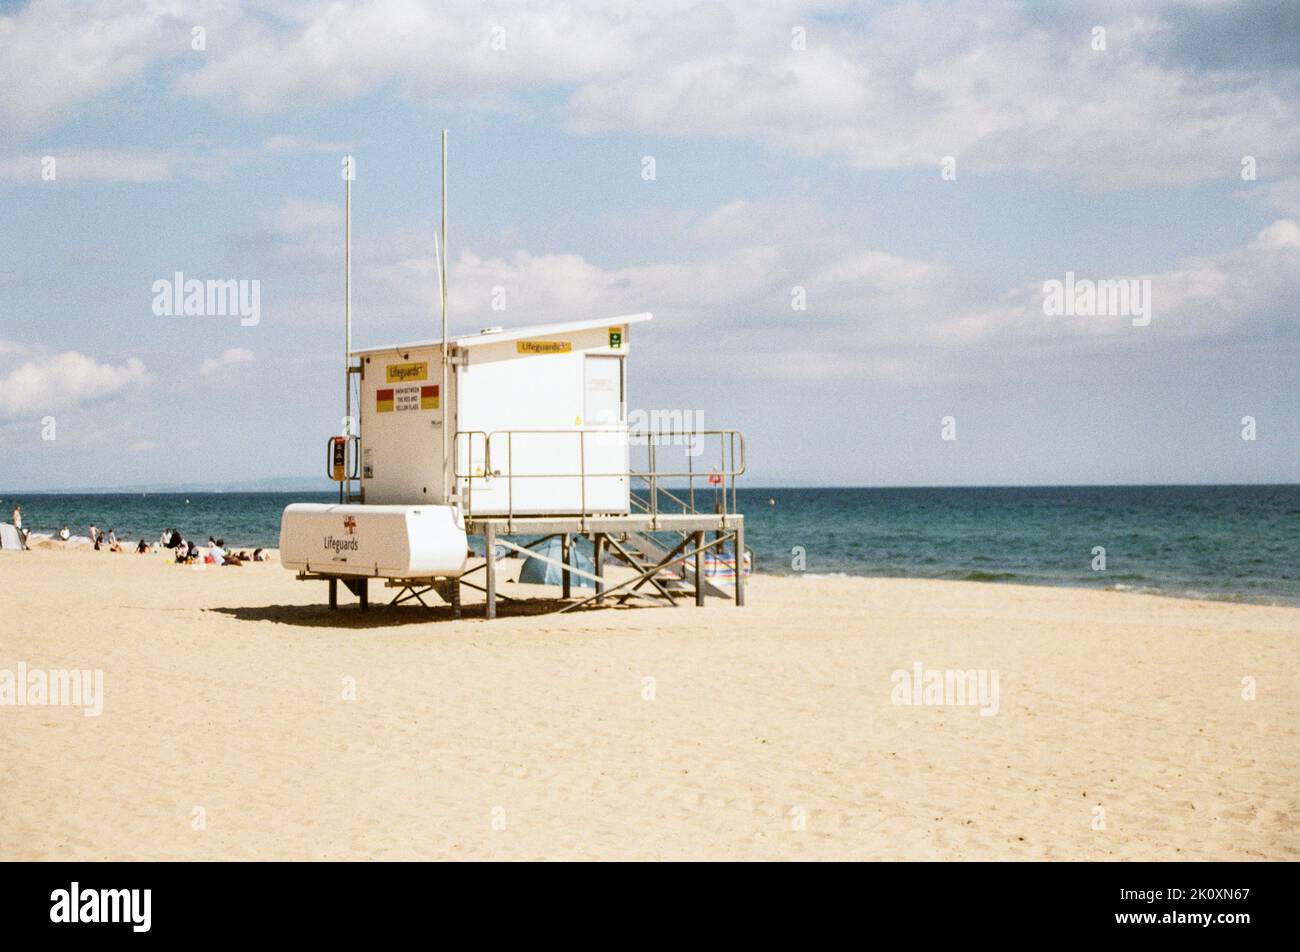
(406, 398)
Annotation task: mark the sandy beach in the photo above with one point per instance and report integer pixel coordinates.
(227, 732)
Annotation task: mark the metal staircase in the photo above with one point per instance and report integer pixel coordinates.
(644, 545)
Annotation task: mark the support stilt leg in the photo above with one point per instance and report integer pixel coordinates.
(566, 580)
(699, 569)
(334, 593)
(740, 564)
(600, 565)
(490, 541)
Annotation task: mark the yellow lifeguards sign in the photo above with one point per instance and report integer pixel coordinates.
(402, 373)
(543, 347)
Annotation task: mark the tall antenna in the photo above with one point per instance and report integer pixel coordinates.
(444, 245)
(347, 312)
(347, 277)
(444, 400)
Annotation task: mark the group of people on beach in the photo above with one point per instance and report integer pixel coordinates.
(100, 539)
(184, 551)
(215, 553)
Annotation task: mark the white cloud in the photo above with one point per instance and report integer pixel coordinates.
(887, 86)
(229, 358)
(295, 215)
(135, 165)
(93, 165)
(343, 50)
(1281, 195)
(57, 57)
(44, 384)
(1231, 298)
(998, 85)
(905, 85)
(727, 223)
(1283, 234)
(869, 314)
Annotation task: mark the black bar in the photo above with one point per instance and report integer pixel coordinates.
(941, 904)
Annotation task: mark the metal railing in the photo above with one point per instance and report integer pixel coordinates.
(722, 478)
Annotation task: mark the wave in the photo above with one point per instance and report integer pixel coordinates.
(981, 576)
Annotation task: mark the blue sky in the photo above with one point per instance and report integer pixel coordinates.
(777, 168)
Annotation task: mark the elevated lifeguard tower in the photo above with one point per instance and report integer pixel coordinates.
(518, 437)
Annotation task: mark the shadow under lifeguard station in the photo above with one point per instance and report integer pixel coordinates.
(403, 615)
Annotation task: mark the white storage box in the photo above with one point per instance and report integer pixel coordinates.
(378, 541)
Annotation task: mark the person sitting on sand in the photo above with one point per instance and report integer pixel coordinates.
(259, 555)
(142, 547)
(220, 556)
(64, 534)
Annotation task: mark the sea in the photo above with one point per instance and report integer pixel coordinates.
(1231, 543)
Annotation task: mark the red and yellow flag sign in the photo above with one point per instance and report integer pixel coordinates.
(429, 398)
(384, 401)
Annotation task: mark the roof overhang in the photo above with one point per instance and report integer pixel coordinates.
(518, 333)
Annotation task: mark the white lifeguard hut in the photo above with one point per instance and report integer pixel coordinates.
(520, 403)
(516, 433)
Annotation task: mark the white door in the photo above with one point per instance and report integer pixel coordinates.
(605, 453)
(602, 391)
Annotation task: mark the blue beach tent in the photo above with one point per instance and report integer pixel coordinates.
(537, 572)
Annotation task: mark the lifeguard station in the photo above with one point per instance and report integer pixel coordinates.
(519, 437)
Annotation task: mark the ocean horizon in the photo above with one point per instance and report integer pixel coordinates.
(1220, 542)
